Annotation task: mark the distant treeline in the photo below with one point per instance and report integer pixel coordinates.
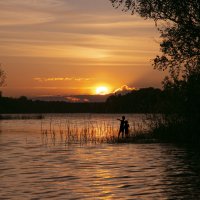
(24, 105)
(146, 100)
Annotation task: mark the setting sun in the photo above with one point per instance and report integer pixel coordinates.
(102, 90)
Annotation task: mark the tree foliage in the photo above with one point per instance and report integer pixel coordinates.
(179, 24)
(180, 33)
(2, 77)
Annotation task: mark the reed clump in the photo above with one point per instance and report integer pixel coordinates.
(88, 133)
(173, 128)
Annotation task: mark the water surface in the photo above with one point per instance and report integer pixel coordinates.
(30, 169)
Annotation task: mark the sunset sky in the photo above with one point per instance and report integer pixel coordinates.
(67, 47)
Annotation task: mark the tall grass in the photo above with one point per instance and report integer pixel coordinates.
(153, 128)
(173, 128)
(88, 133)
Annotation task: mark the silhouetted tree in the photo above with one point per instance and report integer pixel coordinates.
(144, 100)
(2, 79)
(179, 24)
(180, 46)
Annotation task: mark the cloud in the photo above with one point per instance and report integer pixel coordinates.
(51, 39)
(60, 79)
(86, 100)
(124, 89)
(73, 99)
(27, 12)
(73, 29)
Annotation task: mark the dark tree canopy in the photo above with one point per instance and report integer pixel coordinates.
(180, 33)
(2, 77)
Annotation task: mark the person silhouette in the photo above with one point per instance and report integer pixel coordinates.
(121, 128)
(126, 128)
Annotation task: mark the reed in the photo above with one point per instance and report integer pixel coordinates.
(88, 133)
(153, 129)
(173, 128)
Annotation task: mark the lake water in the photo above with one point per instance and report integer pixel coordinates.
(35, 166)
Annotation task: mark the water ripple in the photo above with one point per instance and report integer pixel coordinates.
(31, 170)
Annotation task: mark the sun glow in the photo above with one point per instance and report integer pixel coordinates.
(102, 90)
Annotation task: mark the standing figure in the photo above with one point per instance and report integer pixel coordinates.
(121, 128)
(126, 128)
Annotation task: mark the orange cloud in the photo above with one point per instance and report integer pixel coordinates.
(124, 89)
(76, 99)
(86, 100)
(73, 99)
(50, 39)
(60, 79)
